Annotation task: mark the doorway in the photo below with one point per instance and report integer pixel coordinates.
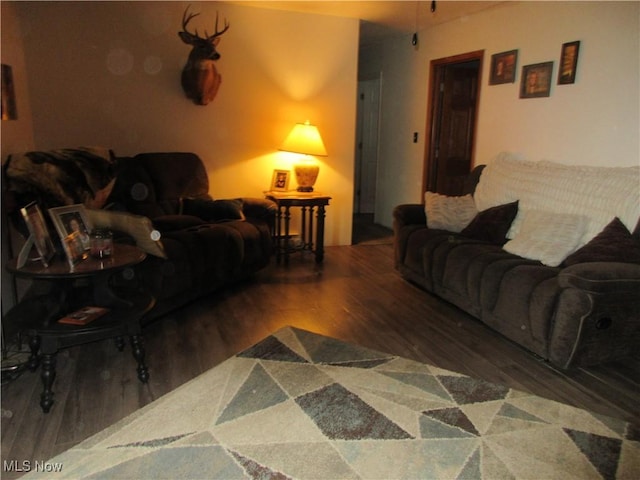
(366, 157)
(451, 128)
(366, 163)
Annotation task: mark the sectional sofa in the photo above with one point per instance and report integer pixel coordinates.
(199, 243)
(546, 254)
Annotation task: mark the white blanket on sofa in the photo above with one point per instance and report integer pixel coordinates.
(598, 193)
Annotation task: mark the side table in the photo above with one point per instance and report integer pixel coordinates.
(69, 288)
(307, 202)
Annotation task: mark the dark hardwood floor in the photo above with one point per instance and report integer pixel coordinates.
(355, 296)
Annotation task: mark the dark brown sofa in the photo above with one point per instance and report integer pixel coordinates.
(583, 311)
(207, 243)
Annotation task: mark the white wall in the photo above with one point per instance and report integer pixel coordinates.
(108, 74)
(595, 121)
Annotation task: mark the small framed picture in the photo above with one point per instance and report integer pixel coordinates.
(503, 67)
(568, 63)
(536, 80)
(38, 232)
(73, 226)
(280, 180)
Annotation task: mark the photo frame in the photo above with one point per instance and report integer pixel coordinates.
(280, 180)
(568, 63)
(38, 236)
(536, 80)
(73, 226)
(503, 67)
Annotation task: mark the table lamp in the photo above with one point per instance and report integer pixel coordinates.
(305, 139)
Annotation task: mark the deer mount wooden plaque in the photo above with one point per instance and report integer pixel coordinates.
(200, 78)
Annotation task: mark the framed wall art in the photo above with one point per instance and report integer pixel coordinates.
(38, 236)
(568, 63)
(280, 180)
(536, 80)
(73, 226)
(503, 67)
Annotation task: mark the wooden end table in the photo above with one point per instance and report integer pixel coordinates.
(307, 202)
(68, 288)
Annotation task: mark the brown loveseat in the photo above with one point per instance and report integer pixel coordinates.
(572, 302)
(206, 243)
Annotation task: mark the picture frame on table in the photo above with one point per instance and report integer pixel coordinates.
(73, 227)
(568, 63)
(38, 236)
(536, 80)
(503, 67)
(280, 180)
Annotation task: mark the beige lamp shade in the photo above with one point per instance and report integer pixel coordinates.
(305, 139)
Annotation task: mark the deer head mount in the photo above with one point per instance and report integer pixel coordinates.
(200, 79)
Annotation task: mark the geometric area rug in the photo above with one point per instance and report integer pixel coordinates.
(302, 405)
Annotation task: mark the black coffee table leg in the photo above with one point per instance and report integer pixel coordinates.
(48, 375)
(137, 348)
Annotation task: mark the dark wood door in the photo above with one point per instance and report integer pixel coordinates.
(454, 107)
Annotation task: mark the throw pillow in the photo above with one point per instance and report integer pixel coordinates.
(491, 225)
(613, 244)
(548, 237)
(147, 238)
(213, 210)
(449, 213)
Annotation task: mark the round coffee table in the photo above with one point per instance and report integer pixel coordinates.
(68, 288)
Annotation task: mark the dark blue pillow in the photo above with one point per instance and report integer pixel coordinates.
(613, 244)
(491, 225)
(213, 210)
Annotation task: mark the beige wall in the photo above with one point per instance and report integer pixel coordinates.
(17, 135)
(108, 74)
(593, 122)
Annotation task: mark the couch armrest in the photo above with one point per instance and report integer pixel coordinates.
(409, 214)
(407, 218)
(259, 208)
(597, 316)
(602, 277)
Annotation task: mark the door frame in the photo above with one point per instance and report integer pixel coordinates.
(436, 72)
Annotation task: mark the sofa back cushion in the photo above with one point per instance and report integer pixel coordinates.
(153, 184)
(598, 193)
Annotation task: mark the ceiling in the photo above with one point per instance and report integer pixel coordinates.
(381, 19)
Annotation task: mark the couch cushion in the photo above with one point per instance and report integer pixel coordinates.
(416, 241)
(548, 237)
(449, 213)
(491, 225)
(614, 244)
(167, 223)
(152, 184)
(213, 210)
(526, 297)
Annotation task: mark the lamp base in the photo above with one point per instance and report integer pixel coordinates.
(306, 175)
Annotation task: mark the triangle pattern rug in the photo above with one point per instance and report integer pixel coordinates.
(301, 405)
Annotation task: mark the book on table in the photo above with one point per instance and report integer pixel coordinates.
(84, 315)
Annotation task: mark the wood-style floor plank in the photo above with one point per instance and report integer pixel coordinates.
(356, 296)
